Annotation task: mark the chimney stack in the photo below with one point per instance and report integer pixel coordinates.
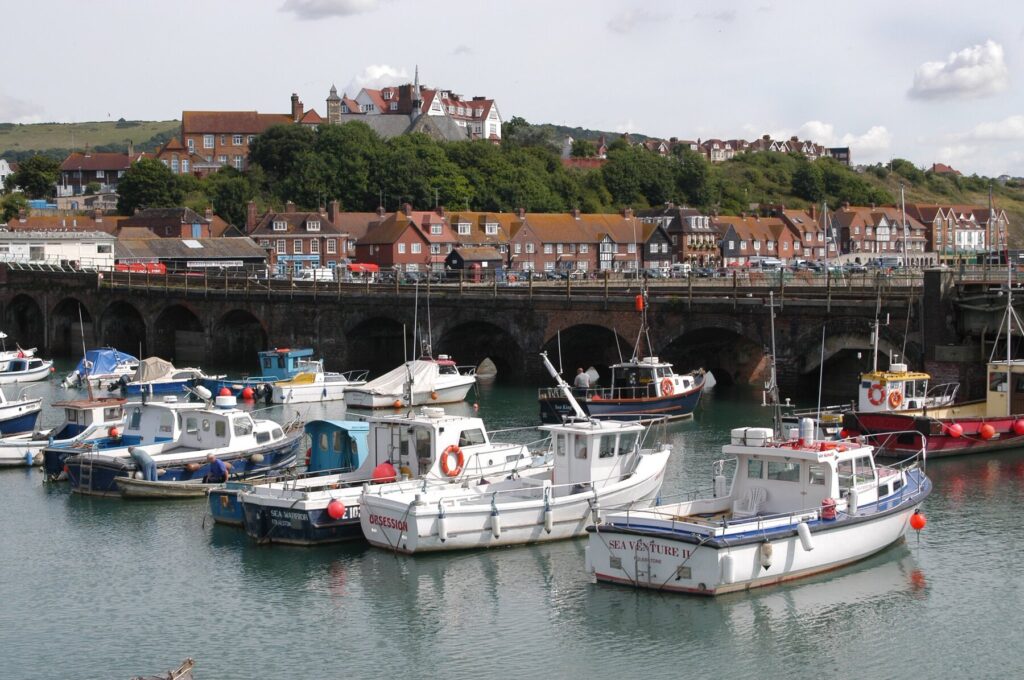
(575, 212)
(407, 209)
(208, 213)
(440, 210)
(296, 108)
(131, 150)
(333, 208)
(380, 211)
(521, 213)
(814, 212)
(289, 207)
(22, 215)
(250, 216)
(627, 213)
(97, 215)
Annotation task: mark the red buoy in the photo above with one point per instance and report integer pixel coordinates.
(385, 472)
(335, 509)
(224, 392)
(1018, 426)
(639, 303)
(987, 432)
(956, 430)
(843, 434)
(918, 520)
(248, 394)
(114, 432)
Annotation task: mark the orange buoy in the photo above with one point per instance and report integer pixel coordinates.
(335, 509)
(248, 394)
(385, 472)
(918, 520)
(1018, 426)
(987, 432)
(433, 395)
(224, 392)
(114, 432)
(398, 403)
(639, 303)
(956, 430)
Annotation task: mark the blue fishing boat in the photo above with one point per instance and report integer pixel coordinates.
(156, 377)
(335, 447)
(85, 420)
(276, 364)
(19, 415)
(250, 447)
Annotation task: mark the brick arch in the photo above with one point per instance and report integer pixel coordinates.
(470, 341)
(584, 345)
(122, 326)
(376, 343)
(23, 322)
(179, 334)
(723, 347)
(65, 338)
(238, 335)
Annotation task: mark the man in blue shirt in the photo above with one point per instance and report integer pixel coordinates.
(217, 470)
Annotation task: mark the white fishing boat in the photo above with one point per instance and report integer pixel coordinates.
(598, 465)
(314, 384)
(85, 420)
(101, 367)
(19, 415)
(419, 382)
(7, 354)
(425, 448)
(795, 507)
(25, 369)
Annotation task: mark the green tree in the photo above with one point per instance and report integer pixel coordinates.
(352, 154)
(583, 148)
(11, 205)
(809, 182)
(37, 176)
(148, 183)
(229, 193)
(92, 188)
(693, 176)
(417, 170)
(278, 151)
(635, 176)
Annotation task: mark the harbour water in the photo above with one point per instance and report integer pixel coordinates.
(103, 588)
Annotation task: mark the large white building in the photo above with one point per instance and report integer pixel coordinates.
(85, 249)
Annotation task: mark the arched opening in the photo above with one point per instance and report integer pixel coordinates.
(70, 321)
(122, 327)
(377, 345)
(732, 358)
(238, 337)
(846, 356)
(23, 323)
(179, 336)
(472, 342)
(583, 346)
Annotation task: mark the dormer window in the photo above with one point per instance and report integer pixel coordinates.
(435, 229)
(394, 106)
(491, 229)
(313, 225)
(280, 225)
(463, 229)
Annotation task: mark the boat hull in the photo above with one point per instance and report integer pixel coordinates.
(449, 394)
(141, 488)
(303, 526)
(655, 559)
(18, 421)
(162, 387)
(553, 409)
(34, 375)
(303, 394)
(940, 441)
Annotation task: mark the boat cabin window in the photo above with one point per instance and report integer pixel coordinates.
(997, 381)
(281, 361)
(192, 425)
(606, 447)
(262, 437)
(816, 474)
(581, 448)
(242, 425)
(844, 469)
(136, 419)
(353, 446)
(166, 421)
(268, 362)
(755, 469)
(220, 429)
(664, 372)
(561, 444)
(325, 441)
(206, 424)
(71, 415)
(423, 447)
(627, 442)
(278, 433)
(865, 473)
(897, 485)
(783, 472)
(112, 413)
(471, 437)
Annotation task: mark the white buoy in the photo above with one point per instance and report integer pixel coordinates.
(719, 486)
(804, 532)
(549, 519)
(766, 555)
(138, 474)
(442, 527)
(588, 566)
(727, 569)
(595, 509)
(852, 502)
(203, 393)
(495, 524)
(256, 458)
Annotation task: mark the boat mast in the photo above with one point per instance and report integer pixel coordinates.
(903, 220)
(85, 354)
(564, 386)
(773, 387)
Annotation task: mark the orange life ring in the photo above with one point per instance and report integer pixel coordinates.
(667, 388)
(460, 460)
(895, 399)
(876, 388)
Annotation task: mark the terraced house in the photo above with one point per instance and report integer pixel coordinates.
(297, 240)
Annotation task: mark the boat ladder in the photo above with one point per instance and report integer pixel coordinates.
(85, 472)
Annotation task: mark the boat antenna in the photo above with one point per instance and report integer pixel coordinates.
(405, 344)
(415, 319)
(430, 328)
(559, 335)
(85, 355)
(617, 347)
(564, 386)
(821, 369)
(773, 386)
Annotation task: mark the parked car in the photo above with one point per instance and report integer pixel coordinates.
(855, 268)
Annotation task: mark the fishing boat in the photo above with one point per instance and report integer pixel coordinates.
(25, 369)
(280, 363)
(425, 448)
(84, 420)
(426, 381)
(130, 487)
(250, 447)
(101, 367)
(598, 465)
(642, 388)
(795, 507)
(7, 354)
(314, 384)
(156, 376)
(335, 447)
(19, 415)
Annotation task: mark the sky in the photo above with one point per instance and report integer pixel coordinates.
(937, 81)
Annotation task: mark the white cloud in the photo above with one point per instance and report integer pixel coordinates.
(630, 20)
(14, 110)
(956, 153)
(1007, 129)
(322, 9)
(977, 71)
(377, 76)
(462, 50)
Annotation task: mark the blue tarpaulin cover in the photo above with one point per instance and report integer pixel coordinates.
(102, 361)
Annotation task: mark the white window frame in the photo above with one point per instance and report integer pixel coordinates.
(332, 246)
(314, 246)
(282, 247)
(401, 249)
(297, 246)
(280, 225)
(236, 140)
(435, 229)
(208, 141)
(313, 225)
(416, 248)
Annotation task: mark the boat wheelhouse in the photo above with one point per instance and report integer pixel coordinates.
(795, 507)
(85, 420)
(281, 363)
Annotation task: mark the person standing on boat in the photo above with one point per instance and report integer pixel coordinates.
(582, 380)
(144, 462)
(217, 471)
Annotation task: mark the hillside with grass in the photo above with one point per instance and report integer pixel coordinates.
(18, 142)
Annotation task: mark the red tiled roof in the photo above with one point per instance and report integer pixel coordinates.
(98, 161)
(311, 117)
(241, 122)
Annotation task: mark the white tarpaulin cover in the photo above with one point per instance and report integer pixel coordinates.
(424, 379)
(153, 368)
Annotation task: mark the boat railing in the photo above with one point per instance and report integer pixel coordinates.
(813, 411)
(942, 394)
(356, 375)
(603, 393)
(466, 370)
